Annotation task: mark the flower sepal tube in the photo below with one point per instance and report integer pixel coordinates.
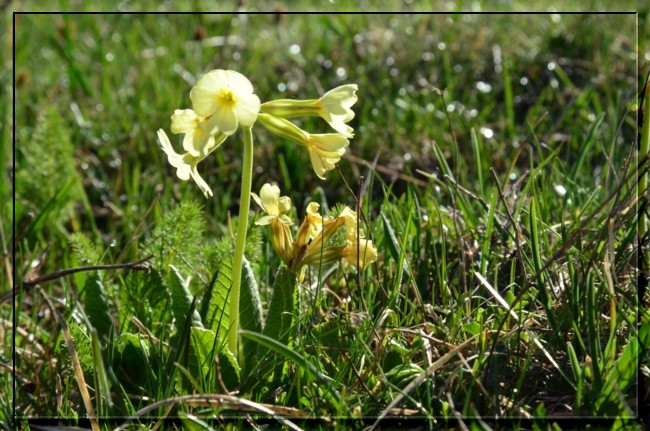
(284, 128)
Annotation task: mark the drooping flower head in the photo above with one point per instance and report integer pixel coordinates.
(311, 246)
(198, 140)
(334, 107)
(185, 164)
(227, 98)
(325, 150)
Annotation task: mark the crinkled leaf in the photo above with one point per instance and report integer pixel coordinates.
(182, 301)
(96, 306)
(201, 362)
(250, 312)
(279, 319)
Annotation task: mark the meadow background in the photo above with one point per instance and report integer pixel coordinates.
(495, 158)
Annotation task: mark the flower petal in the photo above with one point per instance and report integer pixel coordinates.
(184, 120)
(334, 142)
(263, 221)
(204, 93)
(270, 195)
(199, 181)
(342, 128)
(317, 163)
(176, 160)
(284, 204)
(198, 143)
(247, 108)
(226, 120)
(238, 82)
(257, 200)
(284, 219)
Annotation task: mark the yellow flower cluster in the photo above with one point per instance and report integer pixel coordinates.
(223, 100)
(311, 244)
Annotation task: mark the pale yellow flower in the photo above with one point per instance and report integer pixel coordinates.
(199, 140)
(325, 151)
(333, 107)
(185, 164)
(273, 205)
(351, 223)
(311, 226)
(362, 253)
(227, 98)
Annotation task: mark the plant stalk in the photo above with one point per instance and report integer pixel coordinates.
(244, 206)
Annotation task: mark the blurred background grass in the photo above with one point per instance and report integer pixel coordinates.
(115, 79)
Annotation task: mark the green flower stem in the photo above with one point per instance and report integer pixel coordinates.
(244, 206)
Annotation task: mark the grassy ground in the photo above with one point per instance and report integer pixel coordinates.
(495, 161)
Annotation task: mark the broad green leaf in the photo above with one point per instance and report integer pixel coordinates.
(250, 312)
(182, 301)
(132, 362)
(96, 305)
(281, 310)
(402, 375)
(201, 363)
(298, 359)
(218, 315)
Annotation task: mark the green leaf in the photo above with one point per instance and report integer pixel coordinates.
(193, 423)
(250, 312)
(298, 359)
(611, 399)
(102, 384)
(218, 313)
(402, 375)
(393, 244)
(281, 310)
(182, 301)
(201, 361)
(131, 362)
(96, 305)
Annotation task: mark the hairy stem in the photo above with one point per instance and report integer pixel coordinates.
(244, 205)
